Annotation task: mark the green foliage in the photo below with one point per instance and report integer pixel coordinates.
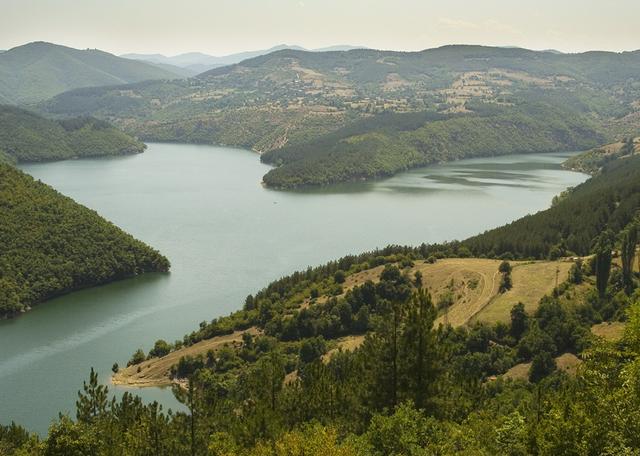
(160, 349)
(628, 241)
(603, 249)
(592, 161)
(519, 321)
(27, 137)
(576, 274)
(93, 401)
(50, 245)
(389, 143)
(137, 357)
(505, 281)
(542, 365)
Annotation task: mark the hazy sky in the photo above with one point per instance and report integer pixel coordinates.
(225, 26)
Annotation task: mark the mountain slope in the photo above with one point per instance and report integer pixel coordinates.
(50, 245)
(26, 136)
(383, 145)
(294, 99)
(37, 71)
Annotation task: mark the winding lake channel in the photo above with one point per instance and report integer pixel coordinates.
(227, 236)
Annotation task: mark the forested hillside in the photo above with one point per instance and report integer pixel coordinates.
(27, 137)
(39, 70)
(387, 143)
(351, 358)
(609, 200)
(50, 245)
(303, 105)
(592, 161)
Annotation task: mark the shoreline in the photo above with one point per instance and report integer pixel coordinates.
(156, 372)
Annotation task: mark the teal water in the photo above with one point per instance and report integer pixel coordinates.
(226, 237)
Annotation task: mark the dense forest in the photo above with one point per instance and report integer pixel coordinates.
(50, 245)
(320, 117)
(412, 387)
(27, 137)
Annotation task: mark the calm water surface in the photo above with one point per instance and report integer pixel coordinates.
(226, 237)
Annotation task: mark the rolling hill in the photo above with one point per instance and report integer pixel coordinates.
(50, 245)
(37, 71)
(197, 62)
(286, 103)
(28, 137)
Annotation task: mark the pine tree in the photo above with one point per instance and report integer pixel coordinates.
(419, 349)
(629, 240)
(92, 401)
(604, 245)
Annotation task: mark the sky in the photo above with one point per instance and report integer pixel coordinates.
(221, 27)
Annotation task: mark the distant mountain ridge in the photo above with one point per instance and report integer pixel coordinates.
(325, 117)
(39, 70)
(198, 62)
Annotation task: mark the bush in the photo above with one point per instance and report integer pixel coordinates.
(137, 358)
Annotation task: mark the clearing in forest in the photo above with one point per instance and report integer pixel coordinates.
(471, 286)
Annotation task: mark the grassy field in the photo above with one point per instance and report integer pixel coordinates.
(567, 362)
(531, 281)
(610, 331)
(473, 286)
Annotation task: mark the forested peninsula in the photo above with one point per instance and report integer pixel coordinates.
(51, 245)
(28, 137)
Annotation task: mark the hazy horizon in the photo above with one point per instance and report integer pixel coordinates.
(226, 27)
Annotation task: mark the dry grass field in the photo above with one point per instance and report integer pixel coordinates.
(531, 281)
(610, 331)
(473, 285)
(566, 362)
(155, 371)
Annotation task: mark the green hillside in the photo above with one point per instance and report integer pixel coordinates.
(592, 161)
(27, 137)
(287, 103)
(37, 71)
(50, 245)
(387, 143)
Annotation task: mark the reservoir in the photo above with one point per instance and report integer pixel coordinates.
(228, 236)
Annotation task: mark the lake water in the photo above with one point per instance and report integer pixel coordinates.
(227, 236)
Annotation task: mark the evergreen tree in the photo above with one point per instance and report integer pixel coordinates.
(603, 248)
(92, 402)
(420, 352)
(628, 241)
